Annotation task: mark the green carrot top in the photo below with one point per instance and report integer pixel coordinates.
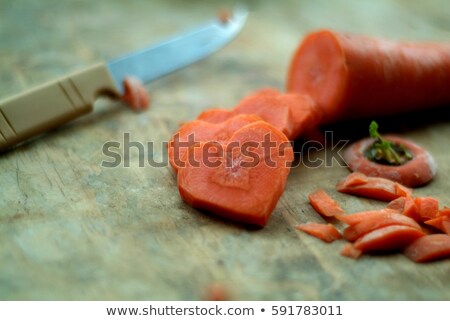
(386, 152)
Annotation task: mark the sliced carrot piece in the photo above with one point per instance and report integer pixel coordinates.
(236, 182)
(416, 172)
(398, 204)
(411, 209)
(135, 95)
(198, 131)
(393, 237)
(427, 207)
(326, 232)
(350, 251)
(373, 187)
(444, 212)
(324, 204)
(216, 115)
(429, 248)
(355, 218)
(376, 221)
(293, 114)
(441, 223)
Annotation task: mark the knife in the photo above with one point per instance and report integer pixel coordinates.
(57, 102)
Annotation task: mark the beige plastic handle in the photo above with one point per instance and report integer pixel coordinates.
(50, 105)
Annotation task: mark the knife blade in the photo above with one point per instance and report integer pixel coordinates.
(57, 102)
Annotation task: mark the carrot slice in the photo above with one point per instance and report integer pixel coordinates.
(372, 187)
(398, 204)
(375, 221)
(416, 172)
(429, 248)
(198, 131)
(444, 212)
(326, 232)
(350, 251)
(351, 76)
(411, 209)
(393, 237)
(355, 218)
(427, 207)
(135, 95)
(239, 179)
(324, 204)
(441, 223)
(216, 115)
(293, 114)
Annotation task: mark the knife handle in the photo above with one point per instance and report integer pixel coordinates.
(52, 104)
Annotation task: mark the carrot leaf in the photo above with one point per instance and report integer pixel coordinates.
(386, 152)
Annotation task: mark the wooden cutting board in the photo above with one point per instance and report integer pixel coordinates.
(71, 229)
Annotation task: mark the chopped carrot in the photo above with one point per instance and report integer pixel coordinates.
(375, 221)
(355, 218)
(216, 115)
(393, 237)
(372, 187)
(429, 248)
(350, 251)
(324, 204)
(326, 232)
(411, 209)
(135, 95)
(444, 212)
(398, 204)
(292, 114)
(234, 182)
(216, 292)
(428, 207)
(198, 131)
(416, 172)
(441, 223)
(351, 76)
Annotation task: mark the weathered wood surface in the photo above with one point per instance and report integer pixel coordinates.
(70, 229)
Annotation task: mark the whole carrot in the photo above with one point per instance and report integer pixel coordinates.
(352, 76)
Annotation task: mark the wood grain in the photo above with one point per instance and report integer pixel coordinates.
(71, 229)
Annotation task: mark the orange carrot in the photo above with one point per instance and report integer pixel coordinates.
(324, 204)
(427, 207)
(234, 181)
(350, 251)
(429, 248)
(375, 221)
(411, 209)
(416, 172)
(398, 204)
(355, 218)
(444, 212)
(135, 95)
(326, 232)
(199, 131)
(292, 114)
(372, 187)
(216, 292)
(216, 115)
(393, 237)
(352, 76)
(441, 223)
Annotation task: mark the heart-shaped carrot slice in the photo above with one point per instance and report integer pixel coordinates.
(198, 131)
(241, 179)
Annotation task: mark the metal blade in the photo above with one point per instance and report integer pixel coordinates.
(159, 60)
